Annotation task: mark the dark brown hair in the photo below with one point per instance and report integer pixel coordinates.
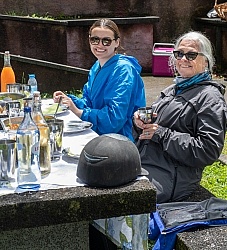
(106, 23)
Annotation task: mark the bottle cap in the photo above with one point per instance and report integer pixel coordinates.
(36, 93)
(27, 109)
(31, 75)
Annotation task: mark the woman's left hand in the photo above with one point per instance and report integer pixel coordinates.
(148, 131)
(67, 101)
(148, 128)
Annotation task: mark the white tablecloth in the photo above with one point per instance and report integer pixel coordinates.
(66, 166)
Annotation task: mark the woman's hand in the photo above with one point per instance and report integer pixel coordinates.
(148, 131)
(67, 101)
(57, 95)
(148, 128)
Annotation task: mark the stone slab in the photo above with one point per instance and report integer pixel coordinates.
(76, 204)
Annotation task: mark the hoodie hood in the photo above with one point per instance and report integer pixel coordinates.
(119, 57)
(221, 87)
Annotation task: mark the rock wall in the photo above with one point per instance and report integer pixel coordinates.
(176, 17)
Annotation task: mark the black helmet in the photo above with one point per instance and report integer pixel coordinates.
(109, 160)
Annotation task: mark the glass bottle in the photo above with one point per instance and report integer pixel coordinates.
(28, 144)
(7, 74)
(33, 83)
(45, 148)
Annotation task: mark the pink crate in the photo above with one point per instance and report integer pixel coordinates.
(160, 58)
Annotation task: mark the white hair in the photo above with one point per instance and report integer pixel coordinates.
(203, 43)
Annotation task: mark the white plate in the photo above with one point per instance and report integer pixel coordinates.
(50, 109)
(76, 126)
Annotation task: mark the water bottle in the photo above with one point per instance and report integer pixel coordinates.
(28, 146)
(45, 147)
(33, 83)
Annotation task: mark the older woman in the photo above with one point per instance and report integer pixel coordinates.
(190, 122)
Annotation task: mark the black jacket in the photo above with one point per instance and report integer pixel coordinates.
(191, 133)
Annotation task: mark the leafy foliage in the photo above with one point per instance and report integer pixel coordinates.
(76, 92)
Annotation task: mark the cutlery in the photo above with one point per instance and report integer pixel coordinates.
(60, 99)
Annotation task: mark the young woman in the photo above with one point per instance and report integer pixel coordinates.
(114, 90)
(190, 125)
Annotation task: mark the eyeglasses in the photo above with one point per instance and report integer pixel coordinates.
(106, 41)
(190, 56)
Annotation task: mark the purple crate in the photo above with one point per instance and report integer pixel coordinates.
(160, 59)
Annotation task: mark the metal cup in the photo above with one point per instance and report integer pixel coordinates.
(7, 160)
(56, 133)
(145, 114)
(13, 88)
(13, 108)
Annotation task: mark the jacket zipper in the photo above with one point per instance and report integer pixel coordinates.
(95, 78)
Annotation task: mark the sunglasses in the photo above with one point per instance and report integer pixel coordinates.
(190, 56)
(106, 41)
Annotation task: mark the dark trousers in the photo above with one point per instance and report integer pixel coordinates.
(98, 241)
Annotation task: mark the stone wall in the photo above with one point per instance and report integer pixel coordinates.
(175, 17)
(50, 76)
(66, 41)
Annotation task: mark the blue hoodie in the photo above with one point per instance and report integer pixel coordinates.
(112, 94)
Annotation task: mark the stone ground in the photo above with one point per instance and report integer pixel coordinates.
(154, 85)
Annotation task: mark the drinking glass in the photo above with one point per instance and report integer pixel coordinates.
(7, 159)
(25, 89)
(145, 114)
(56, 133)
(13, 88)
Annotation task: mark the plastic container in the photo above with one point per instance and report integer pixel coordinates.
(160, 59)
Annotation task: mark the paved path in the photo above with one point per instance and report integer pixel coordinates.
(154, 85)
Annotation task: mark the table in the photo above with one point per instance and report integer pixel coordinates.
(59, 217)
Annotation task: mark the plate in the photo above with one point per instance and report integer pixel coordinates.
(76, 126)
(9, 96)
(50, 109)
(12, 129)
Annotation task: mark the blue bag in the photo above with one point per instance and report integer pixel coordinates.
(173, 218)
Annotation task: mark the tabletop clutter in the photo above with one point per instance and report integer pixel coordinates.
(30, 140)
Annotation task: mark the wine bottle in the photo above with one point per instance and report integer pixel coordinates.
(45, 147)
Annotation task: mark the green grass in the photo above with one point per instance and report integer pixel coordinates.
(215, 177)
